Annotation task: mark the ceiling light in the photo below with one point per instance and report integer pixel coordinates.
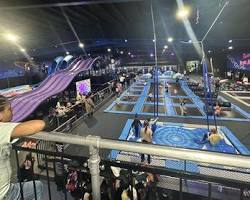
(230, 41)
(109, 50)
(170, 39)
(129, 53)
(165, 46)
(11, 37)
(22, 50)
(81, 45)
(183, 12)
(230, 48)
(121, 52)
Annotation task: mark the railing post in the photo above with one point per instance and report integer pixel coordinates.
(93, 164)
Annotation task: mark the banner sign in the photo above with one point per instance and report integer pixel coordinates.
(239, 62)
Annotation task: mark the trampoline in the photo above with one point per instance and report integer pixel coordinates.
(129, 98)
(178, 100)
(123, 107)
(137, 88)
(246, 100)
(160, 90)
(231, 114)
(176, 90)
(191, 111)
(132, 92)
(151, 100)
(150, 109)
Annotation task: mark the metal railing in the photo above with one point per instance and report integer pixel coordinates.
(224, 162)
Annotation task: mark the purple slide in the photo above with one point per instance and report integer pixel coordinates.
(24, 105)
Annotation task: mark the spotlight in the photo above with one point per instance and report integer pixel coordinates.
(121, 52)
(11, 37)
(129, 53)
(81, 45)
(230, 48)
(183, 13)
(165, 46)
(22, 50)
(109, 50)
(170, 39)
(67, 53)
(230, 41)
(126, 40)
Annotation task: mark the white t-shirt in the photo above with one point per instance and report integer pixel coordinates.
(5, 147)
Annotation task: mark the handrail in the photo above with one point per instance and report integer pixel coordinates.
(170, 152)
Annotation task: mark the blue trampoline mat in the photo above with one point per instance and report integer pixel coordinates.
(185, 136)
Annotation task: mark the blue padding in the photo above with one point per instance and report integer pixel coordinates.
(230, 136)
(195, 99)
(180, 165)
(140, 101)
(241, 111)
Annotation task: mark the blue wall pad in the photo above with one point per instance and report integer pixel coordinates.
(195, 99)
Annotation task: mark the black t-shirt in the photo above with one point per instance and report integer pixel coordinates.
(136, 123)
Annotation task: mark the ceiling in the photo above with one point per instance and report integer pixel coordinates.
(51, 27)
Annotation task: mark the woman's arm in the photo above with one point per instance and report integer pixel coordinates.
(28, 128)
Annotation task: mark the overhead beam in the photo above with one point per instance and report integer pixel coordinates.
(66, 4)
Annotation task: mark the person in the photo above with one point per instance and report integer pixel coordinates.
(245, 79)
(136, 125)
(183, 108)
(213, 137)
(8, 131)
(89, 105)
(117, 101)
(152, 124)
(150, 96)
(217, 84)
(146, 135)
(217, 110)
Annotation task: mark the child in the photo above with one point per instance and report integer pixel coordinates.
(183, 108)
(9, 131)
(217, 110)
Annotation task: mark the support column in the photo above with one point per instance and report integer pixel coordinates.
(93, 164)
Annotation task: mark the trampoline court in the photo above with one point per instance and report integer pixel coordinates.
(138, 98)
(187, 136)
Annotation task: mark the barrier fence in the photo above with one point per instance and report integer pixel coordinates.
(224, 176)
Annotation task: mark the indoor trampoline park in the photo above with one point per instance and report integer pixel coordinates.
(124, 100)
